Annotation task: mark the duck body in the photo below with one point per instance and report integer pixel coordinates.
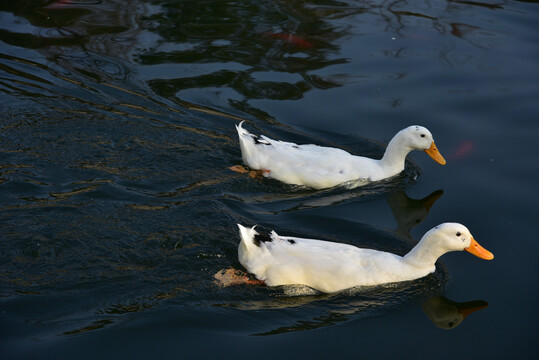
(323, 167)
(331, 267)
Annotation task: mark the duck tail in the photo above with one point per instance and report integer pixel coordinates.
(248, 142)
(241, 130)
(247, 236)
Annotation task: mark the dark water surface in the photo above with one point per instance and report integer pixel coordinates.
(117, 208)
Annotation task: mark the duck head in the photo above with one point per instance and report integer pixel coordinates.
(419, 138)
(457, 237)
(442, 239)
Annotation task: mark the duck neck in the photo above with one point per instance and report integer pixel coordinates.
(424, 254)
(395, 154)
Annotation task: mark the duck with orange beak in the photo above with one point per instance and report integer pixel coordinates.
(330, 267)
(324, 167)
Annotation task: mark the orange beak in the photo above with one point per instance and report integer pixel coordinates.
(470, 307)
(479, 251)
(435, 154)
(431, 199)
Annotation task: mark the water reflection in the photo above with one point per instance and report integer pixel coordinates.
(447, 314)
(218, 54)
(244, 51)
(410, 212)
(407, 212)
(442, 312)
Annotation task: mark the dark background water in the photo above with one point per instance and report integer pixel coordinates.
(116, 205)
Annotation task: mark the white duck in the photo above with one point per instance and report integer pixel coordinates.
(323, 167)
(330, 267)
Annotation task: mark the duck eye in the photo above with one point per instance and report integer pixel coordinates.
(458, 234)
(422, 135)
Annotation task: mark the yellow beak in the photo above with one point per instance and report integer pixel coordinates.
(435, 154)
(479, 251)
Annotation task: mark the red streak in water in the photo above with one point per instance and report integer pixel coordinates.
(290, 39)
(463, 149)
(60, 4)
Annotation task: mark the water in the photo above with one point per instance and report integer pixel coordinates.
(117, 207)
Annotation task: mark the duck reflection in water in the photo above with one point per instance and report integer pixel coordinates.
(447, 314)
(410, 212)
(339, 308)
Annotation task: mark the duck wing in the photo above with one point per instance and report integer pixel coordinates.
(324, 265)
(311, 165)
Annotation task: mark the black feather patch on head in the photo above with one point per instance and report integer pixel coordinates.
(261, 238)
